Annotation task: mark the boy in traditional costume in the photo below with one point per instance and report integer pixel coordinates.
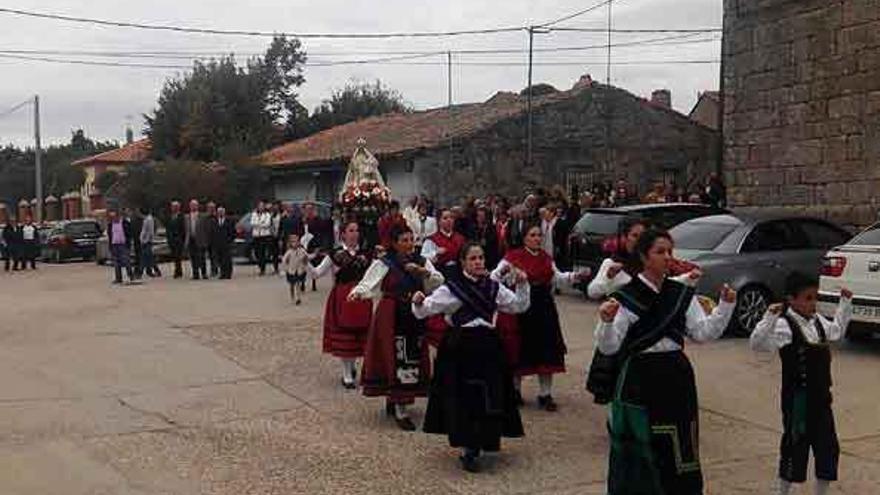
(802, 336)
(397, 363)
(654, 415)
(472, 398)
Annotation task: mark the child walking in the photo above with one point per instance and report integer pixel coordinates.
(295, 263)
(802, 336)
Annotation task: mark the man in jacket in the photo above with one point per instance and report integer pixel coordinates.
(12, 240)
(211, 217)
(222, 237)
(261, 234)
(176, 234)
(198, 238)
(146, 237)
(119, 239)
(136, 222)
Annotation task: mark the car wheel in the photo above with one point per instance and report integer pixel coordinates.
(751, 304)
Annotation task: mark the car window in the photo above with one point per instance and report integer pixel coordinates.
(774, 236)
(700, 235)
(82, 228)
(598, 223)
(870, 237)
(821, 235)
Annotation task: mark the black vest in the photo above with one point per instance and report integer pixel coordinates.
(805, 365)
(662, 315)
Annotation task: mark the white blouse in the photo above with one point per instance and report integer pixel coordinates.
(602, 285)
(443, 301)
(559, 277)
(773, 332)
(609, 336)
(430, 250)
(327, 266)
(370, 286)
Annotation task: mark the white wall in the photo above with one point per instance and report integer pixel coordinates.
(295, 187)
(404, 185)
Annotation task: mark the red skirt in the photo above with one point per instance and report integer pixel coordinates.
(508, 329)
(397, 362)
(346, 324)
(436, 328)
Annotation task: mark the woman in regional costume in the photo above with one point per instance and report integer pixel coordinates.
(397, 363)
(534, 338)
(472, 398)
(346, 323)
(442, 249)
(653, 422)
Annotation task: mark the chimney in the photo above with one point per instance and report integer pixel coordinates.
(662, 98)
(129, 135)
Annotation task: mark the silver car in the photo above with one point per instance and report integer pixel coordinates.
(754, 256)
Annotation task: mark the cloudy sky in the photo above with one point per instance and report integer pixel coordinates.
(104, 100)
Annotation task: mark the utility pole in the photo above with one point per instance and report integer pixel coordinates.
(608, 60)
(38, 151)
(449, 74)
(529, 97)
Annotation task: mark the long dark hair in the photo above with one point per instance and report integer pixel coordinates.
(646, 242)
(630, 261)
(525, 231)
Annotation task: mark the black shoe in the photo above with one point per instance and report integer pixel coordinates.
(389, 409)
(469, 463)
(298, 302)
(547, 403)
(348, 385)
(519, 399)
(195, 277)
(405, 423)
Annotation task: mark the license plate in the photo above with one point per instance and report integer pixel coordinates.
(866, 311)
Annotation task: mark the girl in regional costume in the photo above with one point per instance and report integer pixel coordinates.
(346, 323)
(442, 249)
(397, 363)
(533, 340)
(653, 415)
(472, 398)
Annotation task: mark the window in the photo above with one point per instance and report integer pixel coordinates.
(777, 235)
(598, 223)
(701, 235)
(870, 237)
(823, 236)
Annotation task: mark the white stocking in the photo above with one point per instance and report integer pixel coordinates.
(822, 487)
(348, 370)
(545, 382)
(400, 411)
(783, 488)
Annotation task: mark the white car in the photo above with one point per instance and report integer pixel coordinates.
(856, 266)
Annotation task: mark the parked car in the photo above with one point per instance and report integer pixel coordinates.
(161, 251)
(754, 256)
(70, 239)
(598, 228)
(856, 266)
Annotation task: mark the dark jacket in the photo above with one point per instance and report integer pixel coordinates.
(488, 238)
(175, 231)
(202, 234)
(515, 232)
(290, 225)
(126, 228)
(137, 224)
(222, 235)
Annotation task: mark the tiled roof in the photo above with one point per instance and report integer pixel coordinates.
(398, 133)
(136, 152)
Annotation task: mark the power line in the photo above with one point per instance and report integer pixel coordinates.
(374, 60)
(632, 31)
(93, 62)
(576, 14)
(573, 63)
(15, 108)
(225, 32)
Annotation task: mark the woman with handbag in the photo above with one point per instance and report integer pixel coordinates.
(472, 399)
(653, 420)
(396, 362)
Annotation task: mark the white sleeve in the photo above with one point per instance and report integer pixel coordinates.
(702, 327)
(441, 301)
(429, 250)
(511, 302)
(497, 273)
(434, 279)
(430, 227)
(369, 285)
(837, 329)
(562, 277)
(602, 286)
(771, 333)
(609, 336)
(322, 270)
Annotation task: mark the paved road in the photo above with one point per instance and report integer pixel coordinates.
(180, 387)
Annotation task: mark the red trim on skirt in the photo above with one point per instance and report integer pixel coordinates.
(346, 324)
(436, 327)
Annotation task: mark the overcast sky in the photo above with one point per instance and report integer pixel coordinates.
(104, 100)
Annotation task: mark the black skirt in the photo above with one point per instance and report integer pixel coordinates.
(542, 347)
(472, 399)
(663, 384)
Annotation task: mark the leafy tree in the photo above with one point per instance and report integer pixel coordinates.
(357, 101)
(539, 89)
(219, 105)
(105, 181)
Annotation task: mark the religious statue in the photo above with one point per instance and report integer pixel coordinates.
(362, 169)
(364, 196)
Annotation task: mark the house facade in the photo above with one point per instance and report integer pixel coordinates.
(134, 153)
(589, 134)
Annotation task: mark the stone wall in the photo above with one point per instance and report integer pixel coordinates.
(647, 144)
(801, 80)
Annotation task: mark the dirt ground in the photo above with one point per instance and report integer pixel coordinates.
(213, 387)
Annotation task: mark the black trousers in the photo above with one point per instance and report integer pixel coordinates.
(223, 261)
(177, 257)
(197, 260)
(820, 437)
(262, 245)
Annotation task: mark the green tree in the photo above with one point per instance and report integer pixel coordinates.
(220, 106)
(356, 101)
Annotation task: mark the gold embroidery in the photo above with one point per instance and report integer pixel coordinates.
(672, 431)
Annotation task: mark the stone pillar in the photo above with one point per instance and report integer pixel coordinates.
(72, 203)
(24, 210)
(96, 201)
(52, 205)
(4, 214)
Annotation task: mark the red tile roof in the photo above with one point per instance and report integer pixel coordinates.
(398, 133)
(136, 152)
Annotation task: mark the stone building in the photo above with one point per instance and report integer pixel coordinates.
(801, 125)
(589, 134)
(707, 110)
(134, 153)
